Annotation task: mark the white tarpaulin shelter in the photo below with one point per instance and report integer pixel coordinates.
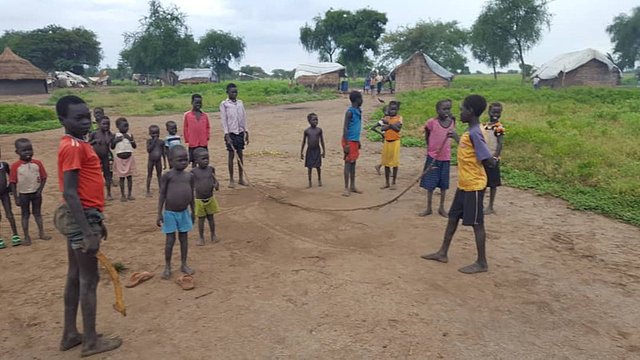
(196, 75)
(317, 69)
(571, 61)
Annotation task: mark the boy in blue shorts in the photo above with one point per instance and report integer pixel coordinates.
(473, 155)
(176, 196)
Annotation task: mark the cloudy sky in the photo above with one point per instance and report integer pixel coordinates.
(271, 28)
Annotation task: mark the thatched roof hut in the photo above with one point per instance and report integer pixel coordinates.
(19, 77)
(319, 75)
(419, 72)
(587, 67)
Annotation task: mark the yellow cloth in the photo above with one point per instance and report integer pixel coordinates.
(471, 174)
(391, 153)
(391, 134)
(204, 207)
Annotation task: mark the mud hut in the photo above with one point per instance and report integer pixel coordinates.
(19, 77)
(419, 72)
(319, 75)
(587, 67)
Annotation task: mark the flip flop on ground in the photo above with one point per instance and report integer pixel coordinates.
(138, 277)
(185, 282)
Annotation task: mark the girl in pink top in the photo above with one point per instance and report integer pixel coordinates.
(437, 136)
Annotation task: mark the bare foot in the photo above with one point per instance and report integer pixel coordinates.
(442, 212)
(131, 198)
(166, 274)
(392, 187)
(378, 169)
(439, 256)
(385, 187)
(489, 211)
(71, 341)
(474, 268)
(187, 270)
(426, 212)
(148, 194)
(232, 184)
(123, 199)
(44, 236)
(243, 183)
(309, 186)
(354, 190)
(214, 239)
(109, 198)
(346, 192)
(26, 241)
(200, 242)
(319, 183)
(102, 345)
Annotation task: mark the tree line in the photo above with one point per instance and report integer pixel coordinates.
(502, 33)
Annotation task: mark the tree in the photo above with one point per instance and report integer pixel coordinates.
(488, 44)
(162, 43)
(344, 35)
(444, 42)
(519, 23)
(282, 73)
(219, 48)
(625, 35)
(256, 71)
(56, 48)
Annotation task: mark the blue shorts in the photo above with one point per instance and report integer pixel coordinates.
(438, 176)
(179, 221)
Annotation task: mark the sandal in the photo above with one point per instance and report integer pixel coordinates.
(138, 278)
(185, 282)
(2, 245)
(15, 240)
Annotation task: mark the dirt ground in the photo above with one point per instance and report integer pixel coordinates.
(286, 283)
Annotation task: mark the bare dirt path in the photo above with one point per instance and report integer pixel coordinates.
(286, 283)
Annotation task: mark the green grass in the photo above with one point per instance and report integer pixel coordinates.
(132, 100)
(578, 143)
(19, 118)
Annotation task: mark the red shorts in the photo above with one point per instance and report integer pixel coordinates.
(354, 150)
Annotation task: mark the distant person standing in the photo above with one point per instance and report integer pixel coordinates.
(536, 83)
(379, 82)
(196, 127)
(236, 132)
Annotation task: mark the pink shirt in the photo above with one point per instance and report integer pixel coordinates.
(438, 136)
(233, 117)
(196, 132)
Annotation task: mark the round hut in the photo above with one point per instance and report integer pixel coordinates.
(20, 77)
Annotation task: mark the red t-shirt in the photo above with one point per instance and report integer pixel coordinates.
(196, 132)
(76, 154)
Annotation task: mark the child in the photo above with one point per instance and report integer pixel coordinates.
(124, 164)
(473, 153)
(367, 84)
(351, 142)
(176, 195)
(236, 130)
(5, 190)
(98, 115)
(494, 133)
(390, 158)
(205, 203)
(313, 159)
(438, 155)
(101, 141)
(378, 129)
(157, 158)
(80, 220)
(173, 138)
(28, 177)
(196, 127)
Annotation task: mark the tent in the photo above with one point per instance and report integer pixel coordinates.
(420, 71)
(196, 75)
(319, 75)
(585, 67)
(19, 77)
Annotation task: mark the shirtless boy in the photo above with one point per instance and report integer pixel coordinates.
(157, 157)
(313, 158)
(205, 204)
(101, 142)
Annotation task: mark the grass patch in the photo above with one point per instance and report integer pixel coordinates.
(133, 100)
(19, 118)
(579, 143)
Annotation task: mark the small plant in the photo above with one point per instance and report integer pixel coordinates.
(120, 267)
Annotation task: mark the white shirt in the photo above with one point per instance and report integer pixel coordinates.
(233, 117)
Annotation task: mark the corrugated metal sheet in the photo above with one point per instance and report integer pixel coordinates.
(571, 61)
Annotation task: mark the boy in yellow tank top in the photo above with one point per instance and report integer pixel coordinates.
(473, 156)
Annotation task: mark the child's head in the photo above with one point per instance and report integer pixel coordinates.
(356, 98)
(105, 123)
(154, 131)
(196, 102)
(443, 108)
(98, 114)
(232, 91)
(495, 111)
(472, 106)
(172, 127)
(122, 124)
(24, 149)
(74, 115)
(178, 157)
(201, 157)
(312, 118)
(394, 107)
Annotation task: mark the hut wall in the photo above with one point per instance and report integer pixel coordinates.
(330, 80)
(415, 74)
(593, 73)
(23, 87)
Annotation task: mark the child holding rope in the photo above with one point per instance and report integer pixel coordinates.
(390, 158)
(351, 142)
(473, 155)
(438, 160)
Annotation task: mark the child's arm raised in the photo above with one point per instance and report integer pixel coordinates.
(115, 140)
(322, 142)
(133, 142)
(375, 128)
(304, 142)
(151, 143)
(164, 182)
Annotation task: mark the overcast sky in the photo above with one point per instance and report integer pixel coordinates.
(271, 28)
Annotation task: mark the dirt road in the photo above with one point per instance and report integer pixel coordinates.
(286, 283)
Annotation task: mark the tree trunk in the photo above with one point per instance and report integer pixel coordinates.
(521, 57)
(495, 74)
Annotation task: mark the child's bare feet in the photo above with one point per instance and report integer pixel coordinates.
(102, 344)
(130, 198)
(354, 190)
(148, 194)
(109, 198)
(385, 187)
(489, 211)
(123, 199)
(309, 186)
(243, 183)
(200, 242)
(426, 212)
(214, 238)
(439, 256)
(392, 187)
(166, 274)
(70, 341)
(26, 241)
(378, 169)
(346, 192)
(474, 268)
(44, 236)
(187, 270)
(232, 184)
(319, 183)
(442, 212)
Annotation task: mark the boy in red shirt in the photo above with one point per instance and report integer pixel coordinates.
(28, 177)
(196, 127)
(80, 220)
